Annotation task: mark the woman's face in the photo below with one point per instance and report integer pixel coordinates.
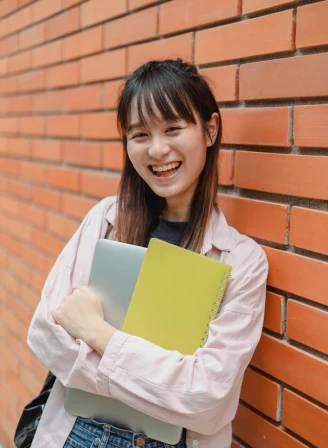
(169, 156)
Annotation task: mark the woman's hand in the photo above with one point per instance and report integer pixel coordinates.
(82, 317)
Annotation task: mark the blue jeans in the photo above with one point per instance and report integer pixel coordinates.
(88, 433)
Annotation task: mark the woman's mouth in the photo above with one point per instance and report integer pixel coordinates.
(165, 170)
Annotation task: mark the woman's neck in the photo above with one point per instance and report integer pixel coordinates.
(176, 212)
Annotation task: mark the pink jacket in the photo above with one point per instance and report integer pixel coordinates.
(199, 392)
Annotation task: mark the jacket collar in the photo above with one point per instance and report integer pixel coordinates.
(218, 232)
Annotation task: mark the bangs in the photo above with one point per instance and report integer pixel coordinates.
(158, 95)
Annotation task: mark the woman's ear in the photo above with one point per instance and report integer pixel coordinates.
(213, 128)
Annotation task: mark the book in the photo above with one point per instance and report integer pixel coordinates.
(177, 294)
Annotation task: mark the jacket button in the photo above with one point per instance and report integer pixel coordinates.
(140, 441)
(195, 442)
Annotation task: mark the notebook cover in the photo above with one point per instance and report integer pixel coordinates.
(178, 292)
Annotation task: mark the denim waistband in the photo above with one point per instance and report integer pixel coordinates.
(89, 429)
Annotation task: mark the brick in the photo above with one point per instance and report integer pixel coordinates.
(296, 77)
(261, 393)
(83, 43)
(31, 126)
(31, 213)
(61, 226)
(24, 2)
(256, 126)
(47, 54)
(307, 325)
(273, 317)
(294, 175)
(293, 366)
(7, 6)
(34, 35)
(63, 125)
(42, 10)
(259, 219)
(111, 93)
(34, 80)
(68, 3)
(83, 153)
(99, 185)
(223, 82)
(37, 280)
(76, 206)
(65, 23)
(303, 276)
(133, 4)
(50, 101)
(10, 205)
(311, 29)
(112, 156)
(138, 26)
(254, 37)
(82, 98)
(19, 20)
(32, 171)
(46, 150)
(19, 62)
(104, 66)
(226, 167)
(4, 66)
(9, 125)
(31, 299)
(253, 430)
(9, 243)
(18, 188)
(99, 126)
(62, 75)
(305, 418)
(9, 44)
(302, 220)
(180, 46)
(8, 166)
(46, 197)
(184, 14)
(34, 258)
(47, 243)
(64, 178)
(311, 126)
(4, 149)
(96, 11)
(258, 5)
(8, 85)
(19, 104)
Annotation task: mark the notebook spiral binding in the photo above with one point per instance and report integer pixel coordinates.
(216, 306)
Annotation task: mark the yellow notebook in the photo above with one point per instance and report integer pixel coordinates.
(177, 294)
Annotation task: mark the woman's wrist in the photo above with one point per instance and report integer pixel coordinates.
(99, 336)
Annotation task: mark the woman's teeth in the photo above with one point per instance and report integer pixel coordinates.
(166, 170)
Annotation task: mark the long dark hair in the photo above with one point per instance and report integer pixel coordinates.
(176, 89)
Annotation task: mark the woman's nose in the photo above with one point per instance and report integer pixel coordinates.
(158, 148)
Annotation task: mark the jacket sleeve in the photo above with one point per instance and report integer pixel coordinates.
(72, 361)
(199, 392)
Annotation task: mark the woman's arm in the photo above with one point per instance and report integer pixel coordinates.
(71, 360)
(200, 392)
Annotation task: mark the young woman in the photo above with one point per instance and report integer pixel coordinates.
(171, 130)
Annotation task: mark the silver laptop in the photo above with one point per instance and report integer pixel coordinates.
(114, 273)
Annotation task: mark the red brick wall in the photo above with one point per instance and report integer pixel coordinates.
(61, 63)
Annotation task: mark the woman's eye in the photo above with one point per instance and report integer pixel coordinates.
(140, 135)
(172, 129)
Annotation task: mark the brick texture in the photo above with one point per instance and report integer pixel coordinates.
(62, 65)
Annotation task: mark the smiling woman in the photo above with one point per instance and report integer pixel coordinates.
(167, 115)
(171, 130)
